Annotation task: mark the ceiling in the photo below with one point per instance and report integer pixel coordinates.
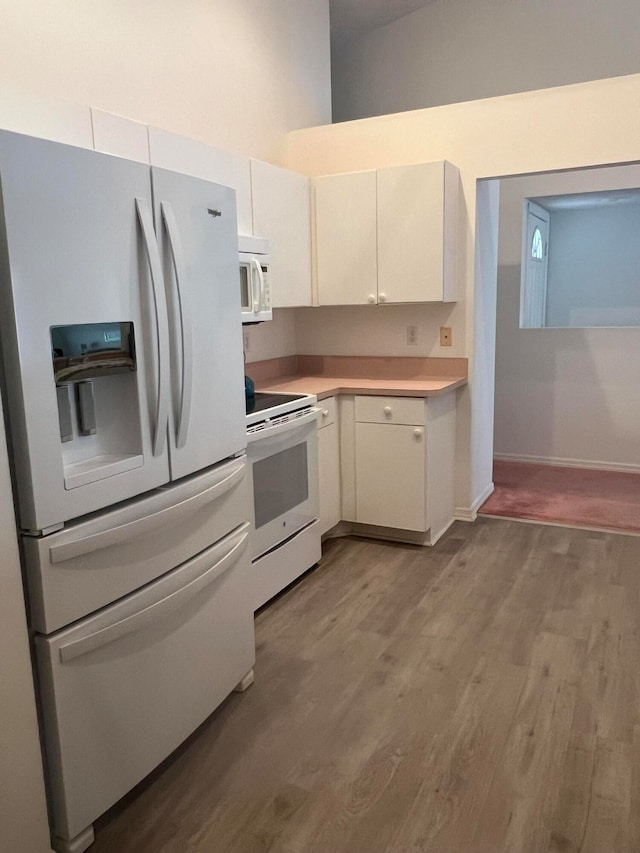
(574, 201)
(351, 18)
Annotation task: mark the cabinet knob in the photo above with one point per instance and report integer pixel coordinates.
(325, 413)
(372, 298)
(387, 410)
(417, 433)
(382, 297)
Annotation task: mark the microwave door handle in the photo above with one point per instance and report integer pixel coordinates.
(257, 303)
(177, 257)
(162, 325)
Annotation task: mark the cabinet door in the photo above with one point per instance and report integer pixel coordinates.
(282, 213)
(180, 154)
(391, 475)
(416, 232)
(345, 213)
(329, 476)
(113, 134)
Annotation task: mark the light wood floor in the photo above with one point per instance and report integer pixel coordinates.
(482, 695)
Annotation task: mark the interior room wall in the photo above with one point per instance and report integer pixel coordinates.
(236, 74)
(594, 266)
(273, 339)
(377, 330)
(577, 126)
(453, 50)
(562, 395)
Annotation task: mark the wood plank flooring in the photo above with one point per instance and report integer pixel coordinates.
(479, 696)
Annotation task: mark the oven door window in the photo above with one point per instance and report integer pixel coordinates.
(280, 483)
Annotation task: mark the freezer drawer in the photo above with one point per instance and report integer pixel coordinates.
(90, 564)
(122, 689)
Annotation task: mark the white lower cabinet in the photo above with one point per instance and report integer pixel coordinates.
(329, 465)
(398, 463)
(390, 476)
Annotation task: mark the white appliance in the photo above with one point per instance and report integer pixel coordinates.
(123, 369)
(283, 453)
(255, 284)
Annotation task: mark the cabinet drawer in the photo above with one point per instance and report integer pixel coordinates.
(391, 410)
(328, 412)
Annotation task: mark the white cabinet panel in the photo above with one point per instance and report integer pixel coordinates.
(171, 151)
(120, 136)
(414, 244)
(47, 118)
(391, 476)
(345, 238)
(282, 214)
(329, 466)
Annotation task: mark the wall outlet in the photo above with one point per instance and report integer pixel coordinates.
(245, 340)
(445, 336)
(412, 336)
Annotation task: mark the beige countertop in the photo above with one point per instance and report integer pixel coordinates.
(326, 376)
(329, 386)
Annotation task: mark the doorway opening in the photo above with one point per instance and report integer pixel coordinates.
(567, 399)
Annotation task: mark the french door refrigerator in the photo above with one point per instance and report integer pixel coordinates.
(123, 377)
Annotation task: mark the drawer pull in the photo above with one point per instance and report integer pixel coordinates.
(325, 413)
(387, 410)
(417, 433)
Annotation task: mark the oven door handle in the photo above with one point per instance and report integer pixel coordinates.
(288, 426)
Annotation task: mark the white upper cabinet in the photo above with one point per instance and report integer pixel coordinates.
(345, 239)
(417, 212)
(47, 118)
(282, 213)
(120, 136)
(180, 154)
(387, 236)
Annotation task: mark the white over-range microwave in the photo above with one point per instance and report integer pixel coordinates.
(255, 288)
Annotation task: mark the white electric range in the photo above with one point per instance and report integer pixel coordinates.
(283, 455)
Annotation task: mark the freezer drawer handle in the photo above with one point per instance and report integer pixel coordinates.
(156, 611)
(142, 526)
(162, 325)
(179, 268)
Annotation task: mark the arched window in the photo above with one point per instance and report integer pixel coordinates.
(537, 249)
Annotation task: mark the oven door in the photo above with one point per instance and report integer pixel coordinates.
(284, 467)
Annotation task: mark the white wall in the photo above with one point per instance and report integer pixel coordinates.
(456, 50)
(575, 126)
(567, 395)
(235, 73)
(273, 339)
(594, 266)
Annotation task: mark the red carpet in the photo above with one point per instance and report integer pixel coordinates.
(573, 496)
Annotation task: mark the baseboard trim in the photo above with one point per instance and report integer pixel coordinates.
(622, 467)
(464, 513)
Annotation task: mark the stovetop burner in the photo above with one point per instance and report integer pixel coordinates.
(263, 400)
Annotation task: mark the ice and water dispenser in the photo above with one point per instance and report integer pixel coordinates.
(94, 366)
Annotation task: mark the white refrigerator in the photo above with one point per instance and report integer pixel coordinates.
(123, 380)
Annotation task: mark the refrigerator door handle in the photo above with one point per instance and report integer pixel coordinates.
(142, 526)
(162, 324)
(179, 267)
(200, 574)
